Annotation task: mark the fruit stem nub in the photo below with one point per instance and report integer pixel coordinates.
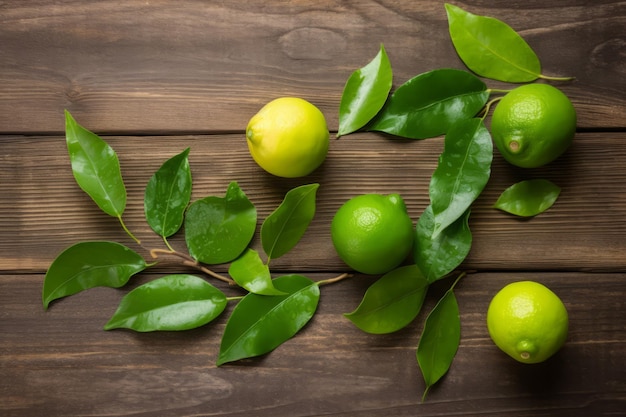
(250, 135)
(514, 146)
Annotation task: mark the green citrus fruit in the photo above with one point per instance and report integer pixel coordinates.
(533, 125)
(372, 233)
(527, 321)
(288, 137)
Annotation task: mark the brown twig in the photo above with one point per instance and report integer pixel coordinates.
(189, 261)
(335, 279)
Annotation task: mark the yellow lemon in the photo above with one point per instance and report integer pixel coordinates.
(533, 125)
(288, 137)
(527, 321)
(373, 233)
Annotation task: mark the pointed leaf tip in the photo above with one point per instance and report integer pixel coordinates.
(252, 274)
(440, 340)
(528, 198)
(219, 229)
(96, 167)
(259, 324)
(365, 93)
(462, 173)
(167, 195)
(429, 104)
(286, 225)
(491, 48)
(87, 265)
(171, 303)
(392, 302)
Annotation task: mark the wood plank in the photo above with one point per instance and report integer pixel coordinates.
(42, 210)
(45, 208)
(61, 363)
(209, 66)
(158, 76)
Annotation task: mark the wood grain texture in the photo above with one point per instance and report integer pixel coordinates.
(583, 231)
(154, 77)
(66, 365)
(196, 66)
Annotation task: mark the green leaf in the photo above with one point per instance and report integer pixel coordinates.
(392, 302)
(218, 230)
(430, 103)
(167, 195)
(491, 48)
(87, 265)
(462, 172)
(365, 93)
(528, 198)
(259, 324)
(174, 302)
(437, 257)
(440, 340)
(284, 227)
(95, 167)
(251, 273)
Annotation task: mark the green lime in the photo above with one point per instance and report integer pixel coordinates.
(527, 321)
(533, 125)
(288, 137)
(373, 233)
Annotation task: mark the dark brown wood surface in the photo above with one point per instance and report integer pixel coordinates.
(155, 77)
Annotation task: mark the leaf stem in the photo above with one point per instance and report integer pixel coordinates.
(497, 90)
(237, 298)
(550, 78)
(189, 261)
(461, 275)
(168, 244)
(335, 279)
(488, 107)
(128, 232)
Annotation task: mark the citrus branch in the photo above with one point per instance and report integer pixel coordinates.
(488, 106)
(333, 280)
(189, 261)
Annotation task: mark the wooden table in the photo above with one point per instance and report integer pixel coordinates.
(154, 77)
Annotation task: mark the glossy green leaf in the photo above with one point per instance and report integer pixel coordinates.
(284, 227)
(218, 230)
(440, 340)
(167, 195)
(365, 93)
(251, 273)
(95, 167)
(528, 198)
(87, 265)
(392, 302)
(430, 103)
(259, 324)
(437, 257)
(462, 172)
(491, 48)
(174, 302)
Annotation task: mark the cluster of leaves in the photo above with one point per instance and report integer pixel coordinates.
(219, 230)
(453, 103)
